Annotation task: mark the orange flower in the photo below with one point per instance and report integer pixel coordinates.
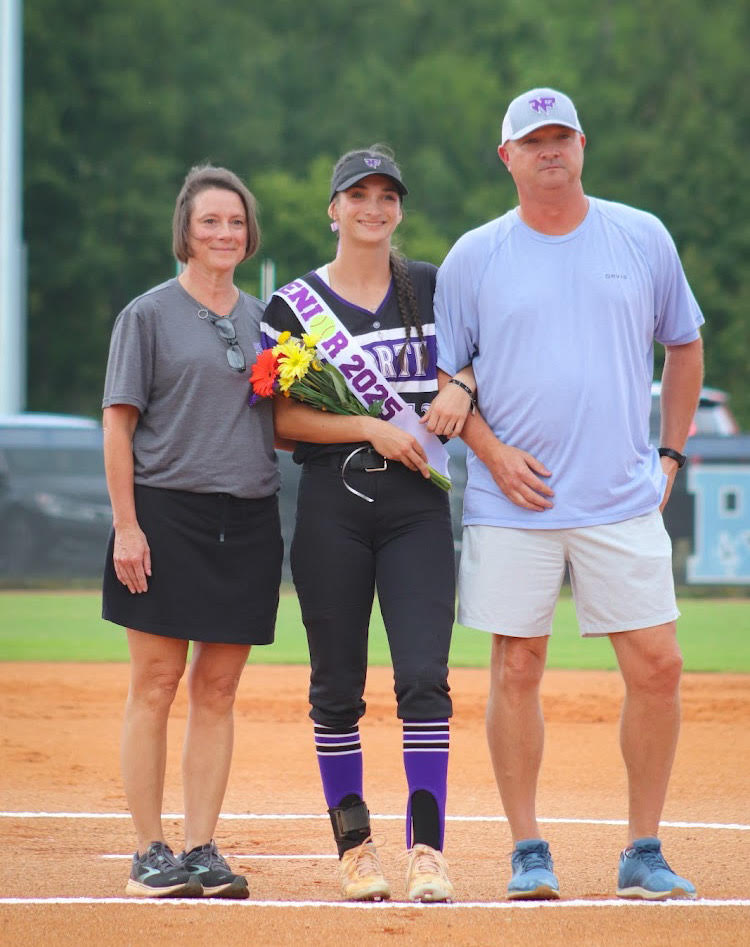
(264, 374)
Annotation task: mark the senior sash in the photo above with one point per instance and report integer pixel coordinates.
(362, 375)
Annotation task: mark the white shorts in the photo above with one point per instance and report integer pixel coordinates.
(620, 574)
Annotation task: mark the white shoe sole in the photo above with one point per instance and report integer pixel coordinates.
(643, 894)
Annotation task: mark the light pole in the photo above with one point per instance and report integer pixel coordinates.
(12, 257)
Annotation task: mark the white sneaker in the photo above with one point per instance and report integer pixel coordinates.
(427, 875)
(362, 877)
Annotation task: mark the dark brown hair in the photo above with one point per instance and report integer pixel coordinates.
(201, 178)
(407, 306)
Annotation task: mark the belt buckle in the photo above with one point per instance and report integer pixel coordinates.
(377, 469)
(348, 486)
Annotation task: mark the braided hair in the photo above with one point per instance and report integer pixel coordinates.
(407, 307)
(405, 296)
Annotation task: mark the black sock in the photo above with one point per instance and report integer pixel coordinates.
(425, 819)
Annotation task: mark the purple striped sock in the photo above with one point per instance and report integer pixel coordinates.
(340, 760)
(426, 744)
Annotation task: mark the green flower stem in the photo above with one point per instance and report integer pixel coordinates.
(440, 480)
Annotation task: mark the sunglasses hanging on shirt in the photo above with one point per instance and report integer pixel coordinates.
(226, 330)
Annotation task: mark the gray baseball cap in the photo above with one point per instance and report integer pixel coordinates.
(536, 108)
(361, 164)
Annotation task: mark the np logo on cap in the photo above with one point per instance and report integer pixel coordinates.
(359, 165)
(536, 108)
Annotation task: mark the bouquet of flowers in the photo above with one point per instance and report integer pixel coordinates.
(294, 369)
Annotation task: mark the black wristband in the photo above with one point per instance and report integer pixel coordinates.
(674, 454)
(469, 392)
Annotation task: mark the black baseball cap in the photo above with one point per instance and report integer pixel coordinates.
(360, 165)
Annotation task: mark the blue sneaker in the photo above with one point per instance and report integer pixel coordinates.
(533, 878)
(645, 874)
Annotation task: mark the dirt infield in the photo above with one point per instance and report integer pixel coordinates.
(59, 756)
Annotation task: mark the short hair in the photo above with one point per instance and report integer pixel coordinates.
(201, 178)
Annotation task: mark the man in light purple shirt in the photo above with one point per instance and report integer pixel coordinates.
(558, 304)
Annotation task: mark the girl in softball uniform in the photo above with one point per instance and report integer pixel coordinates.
(369, 519)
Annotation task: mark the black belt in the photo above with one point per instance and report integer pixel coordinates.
(365, 459)
(362, 459)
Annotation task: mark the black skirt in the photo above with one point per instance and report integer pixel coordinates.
(216, 568)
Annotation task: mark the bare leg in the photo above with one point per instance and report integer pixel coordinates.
(156, 666)
(215, 672)
(515, 727)
(651, 664)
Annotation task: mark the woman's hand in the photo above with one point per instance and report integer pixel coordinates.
(132, 558)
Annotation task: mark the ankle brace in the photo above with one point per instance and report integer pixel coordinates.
(351, 825)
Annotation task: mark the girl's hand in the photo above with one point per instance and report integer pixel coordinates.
(448, 411)
(395, 444)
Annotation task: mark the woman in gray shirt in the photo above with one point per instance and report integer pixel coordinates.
(195, 552)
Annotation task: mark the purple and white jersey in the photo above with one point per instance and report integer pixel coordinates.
(380, 334)
(560, 331)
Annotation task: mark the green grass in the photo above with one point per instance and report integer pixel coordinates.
(66, 626)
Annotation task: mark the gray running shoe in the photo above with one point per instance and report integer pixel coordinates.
(210, 869)
(157, 874)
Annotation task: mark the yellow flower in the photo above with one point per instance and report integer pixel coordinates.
(284, 336)
(310, 340)
(294, 363)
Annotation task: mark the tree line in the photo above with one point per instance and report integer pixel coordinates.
(120, 100)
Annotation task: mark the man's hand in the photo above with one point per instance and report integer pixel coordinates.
(517, 474)
(670, 468)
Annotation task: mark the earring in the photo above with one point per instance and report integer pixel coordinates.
(334, 226)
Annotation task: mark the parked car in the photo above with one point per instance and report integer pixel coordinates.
(55, 514)
(714, 437)
(713, 415)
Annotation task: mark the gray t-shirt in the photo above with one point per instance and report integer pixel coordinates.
(196, 431)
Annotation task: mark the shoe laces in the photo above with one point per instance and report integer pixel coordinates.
(426, 860)
(365, 860)
(159, 854)
(528, 861)
(652, 858)
(208, 856)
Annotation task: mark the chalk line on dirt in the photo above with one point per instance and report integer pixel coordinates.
(287, 816)
(395, 905)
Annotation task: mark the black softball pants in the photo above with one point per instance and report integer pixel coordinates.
(345, 548)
